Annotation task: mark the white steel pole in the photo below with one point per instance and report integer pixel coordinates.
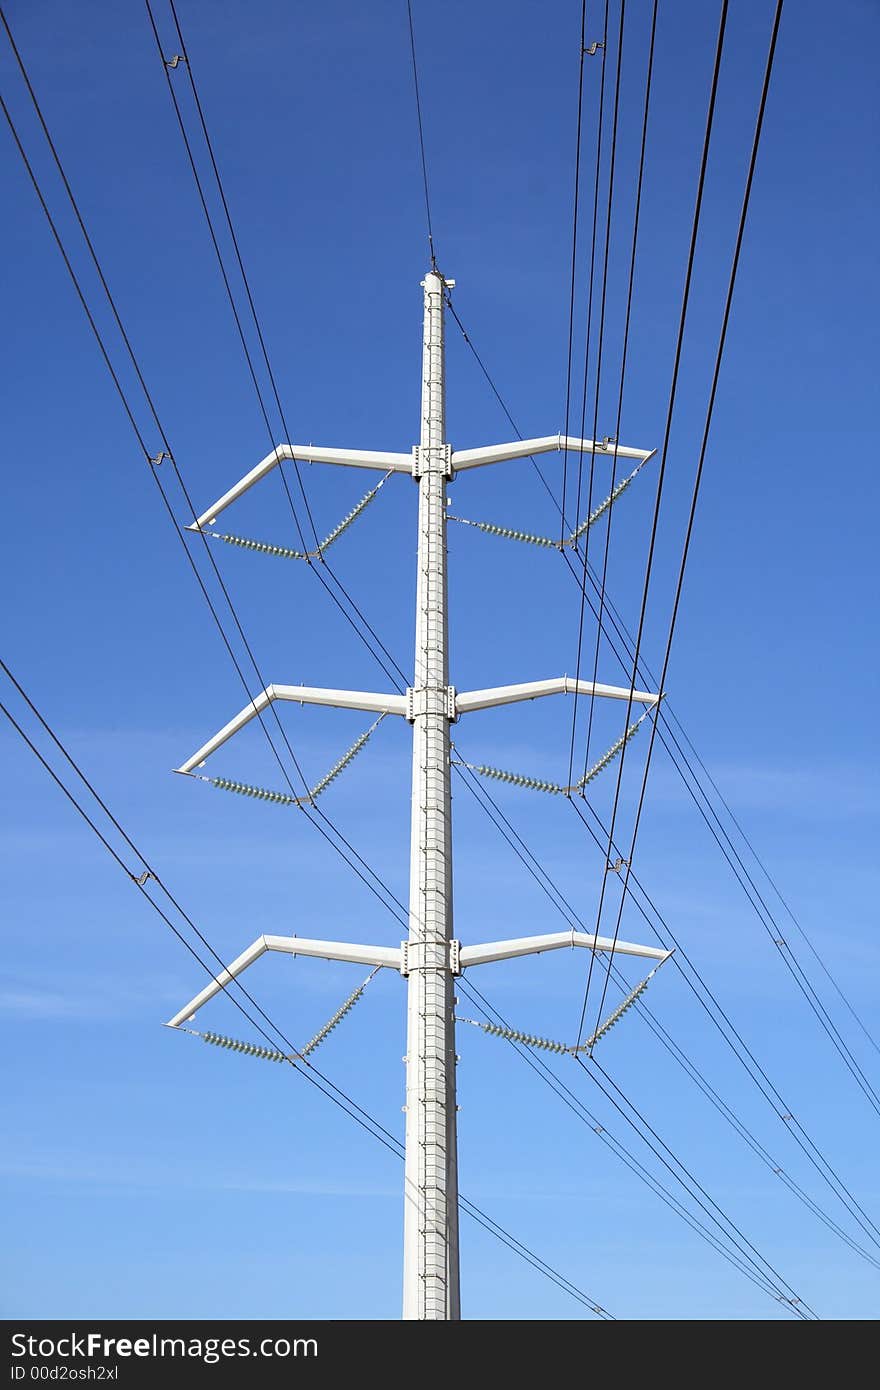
(430, 1266)
(429, 955)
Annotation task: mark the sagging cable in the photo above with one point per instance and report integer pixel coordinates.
(546, 542)
(226, 784)
(337, 1018)
(283, 551)
(535, 784)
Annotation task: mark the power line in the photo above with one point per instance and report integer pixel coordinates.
(323, 565)
(594, 1066)
(534, 1260)
(734, 1039)
(126, 405)
(415, 73)
(300, 1065)
(551, 890)
(719, 1104)
(598, 1310)
(313, 816)
(721, 836)
(776, 889)
(167, 451)
(623, 362)
(170, 455)
(780, 1108)
(140, 883)
(573, 1103)
(216, 244)
(721, 1020)
(661, 475)
(232, 233)
(762, 911)
(612, 160)
(821, 1013)
(739, 1257)
(797, 974)
(352, 604)
(757, 902)
(600, 126)
(574, 235)
(816, 1158)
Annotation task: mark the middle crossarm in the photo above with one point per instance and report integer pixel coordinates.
(468, 700)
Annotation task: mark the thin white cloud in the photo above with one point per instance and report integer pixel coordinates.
(80, 1170)
(104, 997)
(40, 1004)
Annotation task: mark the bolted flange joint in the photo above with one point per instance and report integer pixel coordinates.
(413, 957)
(421, 463)
(431, 700)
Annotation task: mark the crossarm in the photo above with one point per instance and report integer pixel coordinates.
(308, 453)
(522, 448)
(553, 941)
(293, 946)
(253, 952)
(468, 700)
(379, 703)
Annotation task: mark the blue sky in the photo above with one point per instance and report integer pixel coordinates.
(147, 1175)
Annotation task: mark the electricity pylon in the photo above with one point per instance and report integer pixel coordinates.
(431, 957)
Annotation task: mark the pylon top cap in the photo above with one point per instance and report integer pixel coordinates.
(449, 284)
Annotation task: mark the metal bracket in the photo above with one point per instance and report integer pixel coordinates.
(417, 703)
(594, 48)
(178, 58)
(454, 958)
(163, 454)
(418, 470)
